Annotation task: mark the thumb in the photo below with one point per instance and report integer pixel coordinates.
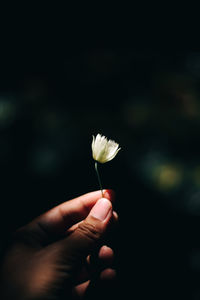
(87, 236)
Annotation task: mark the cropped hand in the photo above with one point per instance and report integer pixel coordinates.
(58, 254)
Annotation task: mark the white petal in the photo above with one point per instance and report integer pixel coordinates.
(100, 147)
(93, 142)
(104, 150)
(113, 155)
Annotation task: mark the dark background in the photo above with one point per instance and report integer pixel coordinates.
(54, 95)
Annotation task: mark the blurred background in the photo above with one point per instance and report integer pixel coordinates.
(53, 101)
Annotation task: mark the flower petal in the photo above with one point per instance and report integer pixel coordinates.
(104, 150)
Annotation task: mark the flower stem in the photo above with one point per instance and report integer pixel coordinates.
(99, 179)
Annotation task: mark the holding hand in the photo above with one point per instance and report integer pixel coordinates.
(53, 256)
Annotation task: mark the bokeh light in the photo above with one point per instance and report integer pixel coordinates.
(150, 103)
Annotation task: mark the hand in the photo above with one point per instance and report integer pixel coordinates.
(54, 255)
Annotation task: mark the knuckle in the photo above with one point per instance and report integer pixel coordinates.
(89, 231)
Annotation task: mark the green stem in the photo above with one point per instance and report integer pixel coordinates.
(99, 179)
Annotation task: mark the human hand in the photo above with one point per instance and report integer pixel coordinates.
(51, 257)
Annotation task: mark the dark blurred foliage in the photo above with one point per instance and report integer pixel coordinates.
(52, 101)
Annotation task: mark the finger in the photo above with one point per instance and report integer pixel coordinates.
(101, 258)
(75, 248)
(80, 290)
(116, 217)
(75, 226)
(95, 264)
(106, 254)
(108, 274)
(60, 218)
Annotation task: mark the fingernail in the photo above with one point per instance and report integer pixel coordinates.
(101, 209)
(109, 194)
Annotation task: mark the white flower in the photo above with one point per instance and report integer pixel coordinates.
(104, 150)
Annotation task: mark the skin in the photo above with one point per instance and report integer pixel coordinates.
(61, 254)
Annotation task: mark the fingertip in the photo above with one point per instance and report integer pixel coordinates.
(102, 209)
(106, 254)
(108, 274)
(115, 215)
(109, 194)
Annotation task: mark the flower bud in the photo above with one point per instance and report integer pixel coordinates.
(104, 150)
